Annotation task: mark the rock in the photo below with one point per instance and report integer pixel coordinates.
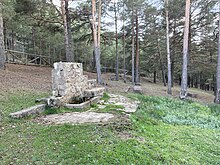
(29, 111)
(53, 101)
(137, 89)
(91, 83)
(130, 106)
(77, 118)
(99, 91)
(128, 89)
(101, 106)
(101, 102)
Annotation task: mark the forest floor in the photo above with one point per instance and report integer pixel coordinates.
(21, 77)
(163, 130)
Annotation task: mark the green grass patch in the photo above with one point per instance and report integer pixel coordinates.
(177, 112)
(111, 108)
(105, 97)
(18, 101)
(192, 138)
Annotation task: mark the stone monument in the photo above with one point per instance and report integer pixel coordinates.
(70, 85)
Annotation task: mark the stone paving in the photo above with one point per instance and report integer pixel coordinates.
(89, 116)
(77, 118)
(130, 105)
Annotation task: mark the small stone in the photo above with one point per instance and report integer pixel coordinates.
(101, 106)
(137, 89)
(102, 102)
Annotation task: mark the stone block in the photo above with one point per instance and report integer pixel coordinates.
(84, 104)
(29, 111)
(137, 89)
(68, 80)
(98, 91)
(91, 83)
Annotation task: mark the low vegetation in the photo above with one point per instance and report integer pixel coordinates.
(162, 131)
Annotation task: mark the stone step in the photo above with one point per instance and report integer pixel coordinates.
(98, 91)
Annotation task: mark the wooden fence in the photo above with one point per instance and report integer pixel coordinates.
(18, 57)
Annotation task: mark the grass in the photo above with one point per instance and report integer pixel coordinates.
(105, 97)
(171, 132)
(111, 108)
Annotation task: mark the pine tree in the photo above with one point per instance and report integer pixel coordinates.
(217, 95)
(183, 92)
(96, 37)
(2, 47)
(169, 83)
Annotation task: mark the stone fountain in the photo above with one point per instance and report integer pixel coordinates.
(70, 88)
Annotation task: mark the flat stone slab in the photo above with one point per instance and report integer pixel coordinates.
(130, 106)
(29, 111)
(77, 118)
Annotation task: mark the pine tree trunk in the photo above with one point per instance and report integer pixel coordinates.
(95, 40)
(169, 82)
(2, 46)
(116, 41)
(161, 64)
(217, 92)
(124, 45)
(155, 76)
(132, 52)
(67, 30)
(172, 55)
(183, 91)
(137, 79)
(192, 81)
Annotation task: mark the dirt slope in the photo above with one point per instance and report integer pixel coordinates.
(21, 77)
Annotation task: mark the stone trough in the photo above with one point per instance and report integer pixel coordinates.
(70, 89)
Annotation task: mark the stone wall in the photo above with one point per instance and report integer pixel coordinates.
(68, 81)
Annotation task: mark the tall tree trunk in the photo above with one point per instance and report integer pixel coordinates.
(33, 40)
(92, 60)
(2, 46)
(161, 63)
(67, 30)
(183, 91)
(132, 52)
(116, 41)
(137, 79)
(155, 76)
(95, 39)
(173, 54)
(169, 82)
(124, 45)
(217, 92)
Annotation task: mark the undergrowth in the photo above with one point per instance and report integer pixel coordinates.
(178, 112)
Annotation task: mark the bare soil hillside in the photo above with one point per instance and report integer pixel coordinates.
(21, 77)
